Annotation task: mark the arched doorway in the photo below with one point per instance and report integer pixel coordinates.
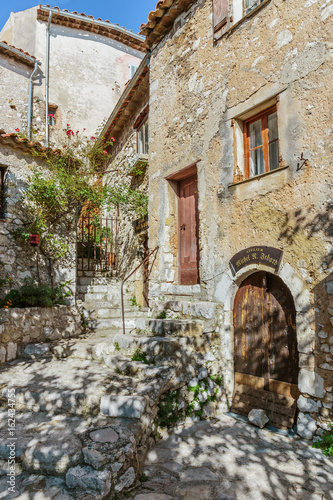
(266, 357)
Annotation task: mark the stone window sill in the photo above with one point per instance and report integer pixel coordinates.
(231, 28)
(258, 177)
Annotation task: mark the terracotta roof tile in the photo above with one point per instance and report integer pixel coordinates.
(12, 51)
(121, 34)
(161, 20)
(34, 148)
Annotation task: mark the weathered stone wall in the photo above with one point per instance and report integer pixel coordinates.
(20, 259)
(273, 53)
(14, 93)
(19, 327)
(92, 69)
(131, 244)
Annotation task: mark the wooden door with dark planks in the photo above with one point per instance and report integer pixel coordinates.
(188, 220)
(266, 357)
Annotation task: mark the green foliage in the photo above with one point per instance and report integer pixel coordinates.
(73, 184)
(140, 356)
(128, 199)
(117, 346)
(32, 295)
(325, 442)
(169, 412)
(217, 379)
(133, 301)
(84, 322)
(162, 315)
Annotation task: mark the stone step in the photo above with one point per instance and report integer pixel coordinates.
(185, 309)
(96, 346)
(102, 324)
(115, 312)
(175, 328)
(91, 304)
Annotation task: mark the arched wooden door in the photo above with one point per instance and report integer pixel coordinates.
(266, 357)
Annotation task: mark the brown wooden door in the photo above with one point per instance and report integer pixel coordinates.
(188, 231)
(266, 358)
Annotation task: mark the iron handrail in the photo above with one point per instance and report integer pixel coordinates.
(124, 281)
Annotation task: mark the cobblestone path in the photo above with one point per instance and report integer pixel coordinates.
(227, 459)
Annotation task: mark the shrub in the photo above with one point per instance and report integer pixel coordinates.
(32, 295)
(325, 442)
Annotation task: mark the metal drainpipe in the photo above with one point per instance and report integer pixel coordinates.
(30, 99)
(47, 80)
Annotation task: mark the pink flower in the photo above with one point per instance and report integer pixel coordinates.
(105, 152)
(68, 125)
(84, 129)
(113, 139)
(17, 130)
(77, 131)
(92, 137)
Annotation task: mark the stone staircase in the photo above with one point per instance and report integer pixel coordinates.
(86, 407)
(100, 298)
(85, 411)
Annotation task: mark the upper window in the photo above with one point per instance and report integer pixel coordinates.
(250, 5)
(142, 138)
(52, 114)
(227, 13)
(261, 143)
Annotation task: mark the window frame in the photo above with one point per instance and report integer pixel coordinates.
(255, 4)
(53, 110)
(263, 115)
(145, 143)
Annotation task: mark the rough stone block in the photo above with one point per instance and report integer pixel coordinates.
(2, 354)
(123, 406)
(107, 435)
(94, 458)
(87, 478)
(311, 383)
(306, 426)
(308, 405)
(126, 480)
(11, 351)
(36, 350)
(258, 418)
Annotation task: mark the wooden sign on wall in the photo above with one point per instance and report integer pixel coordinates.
(141, 225)
(269, 256)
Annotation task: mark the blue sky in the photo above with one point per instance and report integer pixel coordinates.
(128, 13)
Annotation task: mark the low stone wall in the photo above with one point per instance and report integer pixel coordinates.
(19, 327)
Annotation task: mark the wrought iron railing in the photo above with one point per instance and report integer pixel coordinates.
(128, 276)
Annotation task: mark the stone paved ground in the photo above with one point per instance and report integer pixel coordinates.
(227, 459)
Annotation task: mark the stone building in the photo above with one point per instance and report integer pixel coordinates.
(129, 124)
(240, 193)
(85, 64)
(17, 69)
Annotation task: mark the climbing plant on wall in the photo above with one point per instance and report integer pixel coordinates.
(72, 183)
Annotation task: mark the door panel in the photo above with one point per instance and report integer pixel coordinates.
(188, 231)
(266, 358)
